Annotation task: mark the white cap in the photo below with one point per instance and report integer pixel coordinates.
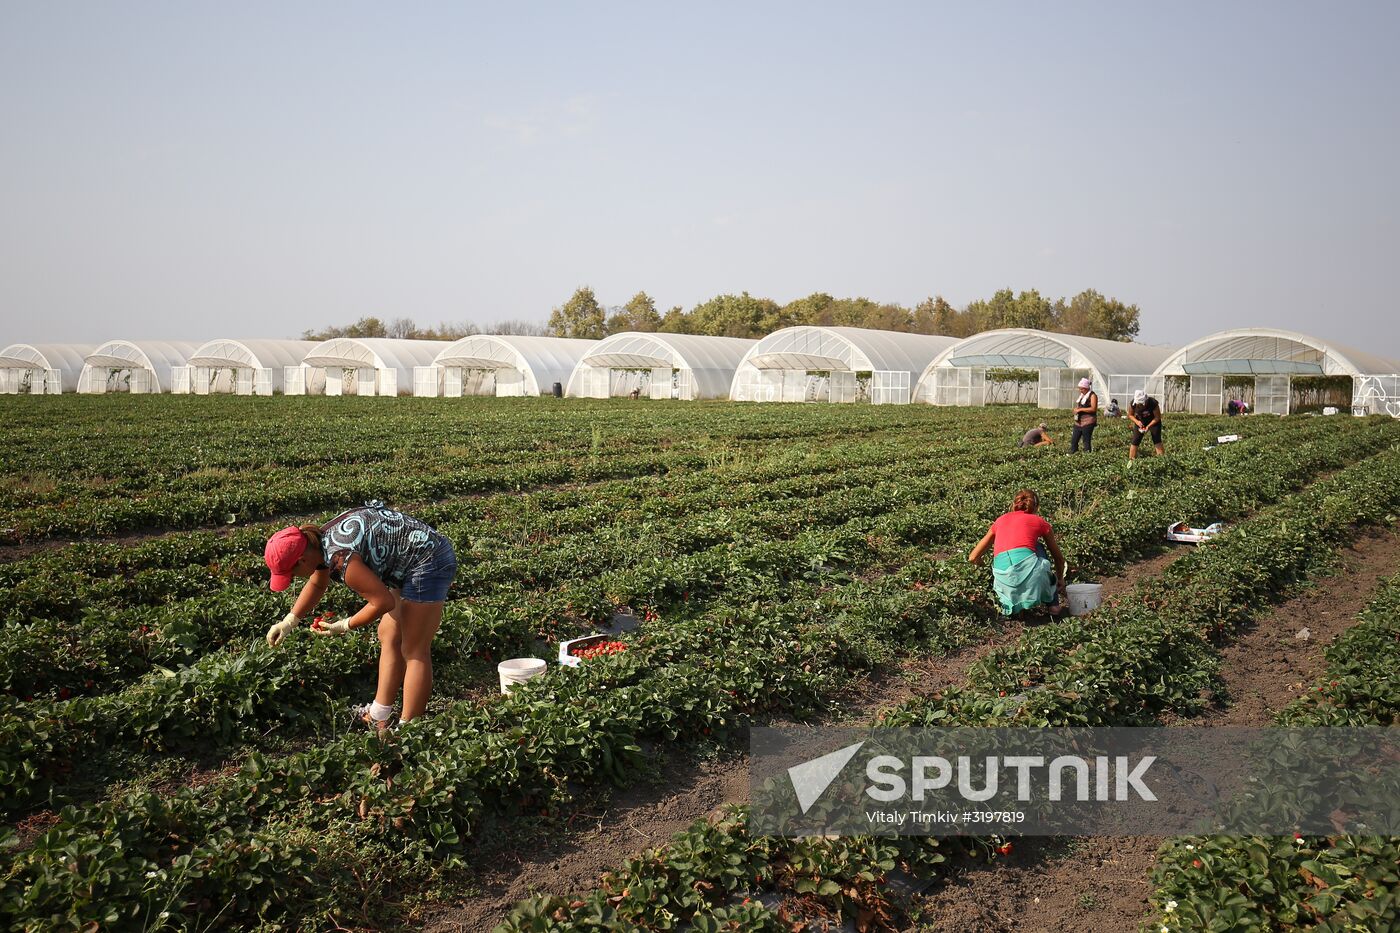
(1139, 396)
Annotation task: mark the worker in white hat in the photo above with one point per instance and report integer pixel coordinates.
(1086, 416)
(1146, 415)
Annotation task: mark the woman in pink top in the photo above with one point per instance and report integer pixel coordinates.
(1022, 574)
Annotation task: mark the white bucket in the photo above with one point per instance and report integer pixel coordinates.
(518, 670)
(1084, 598)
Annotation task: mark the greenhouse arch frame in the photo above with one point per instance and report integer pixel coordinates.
(503, 365)
(138, 367)
(811, 363)
(959, 375)
(42, 368)
(659, 366)
(1266, 361)
(240, 367)
(362, 366)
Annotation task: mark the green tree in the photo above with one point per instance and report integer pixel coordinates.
(638, 314)
(581, 316)
(937, 316)
(735, 316)
(1090, 314)
(675, 322)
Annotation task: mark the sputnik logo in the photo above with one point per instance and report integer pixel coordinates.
(811, 778)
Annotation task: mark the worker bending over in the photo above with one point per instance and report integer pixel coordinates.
(1022, 573)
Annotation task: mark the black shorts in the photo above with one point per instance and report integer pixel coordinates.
(1155, 430)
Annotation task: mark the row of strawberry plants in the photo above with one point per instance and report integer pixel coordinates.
(1339, 882)
(1160, 635)
(429, 799)
(893, 609)
(60, 584)
(71, 655)
(208, 488)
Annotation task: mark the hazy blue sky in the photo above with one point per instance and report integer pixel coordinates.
(255, 169)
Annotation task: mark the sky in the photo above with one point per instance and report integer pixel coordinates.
(190, 171)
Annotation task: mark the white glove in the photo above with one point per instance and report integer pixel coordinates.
(338, 627)
(280, 630)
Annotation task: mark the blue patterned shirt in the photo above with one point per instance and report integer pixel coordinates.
(389, 542)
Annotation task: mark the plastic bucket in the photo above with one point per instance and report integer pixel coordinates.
(518, 670)
(1084, 598)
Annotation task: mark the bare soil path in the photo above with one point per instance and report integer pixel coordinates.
(1101, 883)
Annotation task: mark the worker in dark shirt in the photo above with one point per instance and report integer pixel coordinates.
(1146, 415)
(1037, 437)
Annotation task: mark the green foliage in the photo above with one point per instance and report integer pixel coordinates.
(581, 317)
(765, 580)
(639, 314)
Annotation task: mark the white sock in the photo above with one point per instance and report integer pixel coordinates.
(378, 712)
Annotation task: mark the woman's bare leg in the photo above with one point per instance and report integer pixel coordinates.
(418, 624)
(391, 659)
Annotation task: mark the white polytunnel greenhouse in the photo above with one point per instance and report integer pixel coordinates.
(1278, 372)
(680, 366)
(835, 364)
(241, 367)
(140, 367)
(361, 366)
(501, 365)
(1019, 365)
(41, 368)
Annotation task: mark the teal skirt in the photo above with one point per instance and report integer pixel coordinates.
(1024, 579)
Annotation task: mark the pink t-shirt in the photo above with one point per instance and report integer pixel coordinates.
(1018, 529)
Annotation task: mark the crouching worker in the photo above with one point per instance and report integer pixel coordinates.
(1022, 574)
(402, 568)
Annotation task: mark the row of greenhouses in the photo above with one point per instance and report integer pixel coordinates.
(1275, 371)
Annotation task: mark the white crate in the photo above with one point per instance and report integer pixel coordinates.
(565, 647)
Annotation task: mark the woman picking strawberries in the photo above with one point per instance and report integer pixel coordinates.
(401, 566)
(1022, 574)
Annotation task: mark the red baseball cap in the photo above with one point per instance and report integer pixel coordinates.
(283, 551)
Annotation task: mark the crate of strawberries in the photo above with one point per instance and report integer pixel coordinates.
(575, 651)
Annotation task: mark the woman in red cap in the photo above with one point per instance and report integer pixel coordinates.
(400, 565)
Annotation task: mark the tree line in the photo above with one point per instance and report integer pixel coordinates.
(405, 329)
(1088, 314)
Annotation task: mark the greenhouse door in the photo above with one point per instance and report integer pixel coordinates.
(843, 386)
(293, 380)
(682, 384)
(53, 382)
(180, 380)
(262, 381)
(365, 381)
(199, 380)
(889, 388)
(425, 382)
(660, 383)
(1059, 388)
(960, 386)
(1207, 395)
(142, 382)
(388, 383)
(243, 381)
(1272, 395)
(452, 382)
(335, 380)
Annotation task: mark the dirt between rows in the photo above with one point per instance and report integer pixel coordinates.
(612, 828)
(1101, 883)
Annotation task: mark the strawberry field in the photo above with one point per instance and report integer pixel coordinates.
(162, 768)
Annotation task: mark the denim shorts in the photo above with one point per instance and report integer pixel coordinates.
(428, 582)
